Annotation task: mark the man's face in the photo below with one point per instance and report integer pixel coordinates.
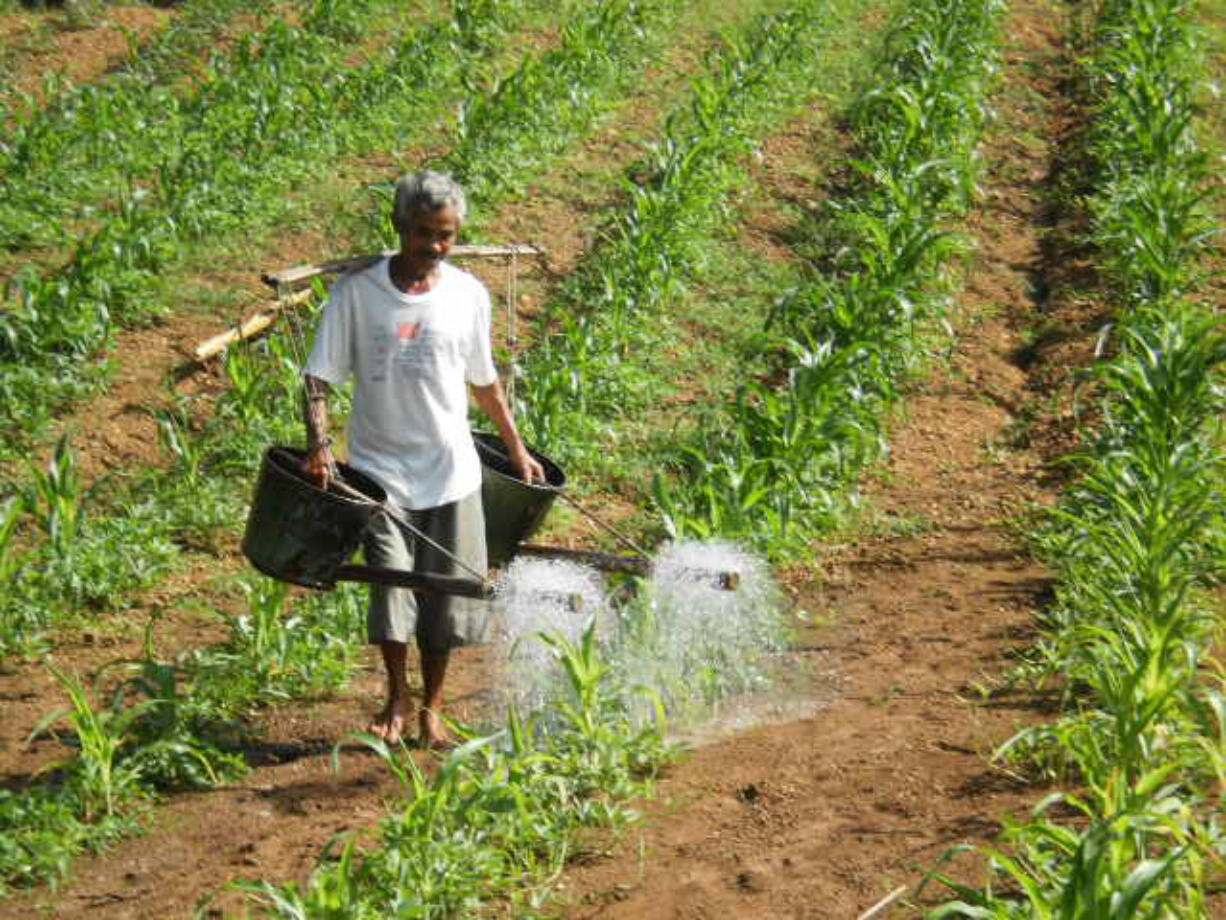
(428, 238)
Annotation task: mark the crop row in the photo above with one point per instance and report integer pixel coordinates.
(277, 112)
(775, 464)
(1137, 537)
(508, 134)
(580, 374)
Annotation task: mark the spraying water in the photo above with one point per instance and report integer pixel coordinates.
(693, 645)
(541, 596)
(682, 642)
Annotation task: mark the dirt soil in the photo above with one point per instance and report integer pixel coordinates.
(274, 824)
(42, 43)
(819, 817)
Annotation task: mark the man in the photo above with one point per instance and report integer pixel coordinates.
(412, 330)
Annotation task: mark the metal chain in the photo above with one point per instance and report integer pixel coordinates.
(512, 341)
(297, 337)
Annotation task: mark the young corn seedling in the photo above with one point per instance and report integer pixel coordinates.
(55, 497)
(103, 782)
(11, 560)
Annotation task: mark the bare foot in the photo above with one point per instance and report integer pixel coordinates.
(389, 724)
(434, 734)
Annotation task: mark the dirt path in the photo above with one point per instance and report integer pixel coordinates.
(824, 817)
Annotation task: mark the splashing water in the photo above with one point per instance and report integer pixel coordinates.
(537, 596)
(688, 642)
(683, 642)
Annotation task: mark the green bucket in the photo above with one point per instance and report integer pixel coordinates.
(514, 509)
(296, 531)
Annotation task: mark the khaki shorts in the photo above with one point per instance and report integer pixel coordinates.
(439, 622)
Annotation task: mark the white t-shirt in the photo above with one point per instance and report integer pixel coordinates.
(411, 356)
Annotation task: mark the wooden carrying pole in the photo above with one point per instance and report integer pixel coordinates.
(293, 277)
(252, 326)
(286, 280)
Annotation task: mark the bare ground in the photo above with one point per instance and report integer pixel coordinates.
(38, 43)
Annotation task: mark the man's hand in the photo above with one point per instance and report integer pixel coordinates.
(320, 466)
(492, 401)
(527, 466)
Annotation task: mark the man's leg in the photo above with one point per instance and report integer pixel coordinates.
(390, 620)
(443, 621)
(434, 734)
(390, 723)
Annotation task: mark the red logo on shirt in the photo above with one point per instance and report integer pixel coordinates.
(408, 330)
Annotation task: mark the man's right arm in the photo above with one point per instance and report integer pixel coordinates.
(319, 465)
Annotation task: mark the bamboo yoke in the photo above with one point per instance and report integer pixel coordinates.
(289, 284)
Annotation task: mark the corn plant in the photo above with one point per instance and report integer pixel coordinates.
(773, 465)
(149, 736)
(552, 99)
(183, 445)
(55, 497)
(10, 515)
(1104, 870)
(1150, 214)
(103, 781)
(180, 739)
(170, 726)
(1136, 537)
(88, 562)
(274, 653)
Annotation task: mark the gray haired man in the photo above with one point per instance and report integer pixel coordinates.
(414, 333)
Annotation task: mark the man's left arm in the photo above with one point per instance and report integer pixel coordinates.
(494, 404)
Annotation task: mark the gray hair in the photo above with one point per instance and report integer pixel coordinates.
(426, 191)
